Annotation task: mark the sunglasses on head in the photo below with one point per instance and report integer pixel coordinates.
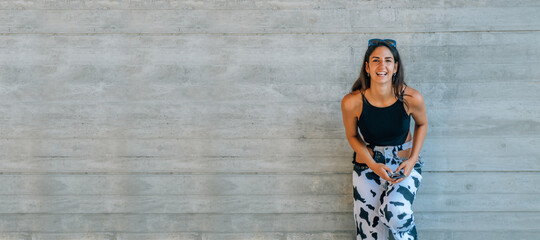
(377, 40)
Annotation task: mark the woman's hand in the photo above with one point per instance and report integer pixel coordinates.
(407, 167)
(382, 171)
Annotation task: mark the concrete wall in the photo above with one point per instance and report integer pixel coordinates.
(222, 120)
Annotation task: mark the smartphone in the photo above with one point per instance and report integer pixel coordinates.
(397, 176)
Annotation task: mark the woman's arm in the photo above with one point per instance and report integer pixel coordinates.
(349, 109)
(418, 112)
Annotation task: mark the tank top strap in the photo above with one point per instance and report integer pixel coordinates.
(363, 97)
(402, 93)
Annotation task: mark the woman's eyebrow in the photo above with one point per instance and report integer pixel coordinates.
(385, 57)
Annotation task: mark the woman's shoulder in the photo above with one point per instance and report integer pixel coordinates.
(352, 101)
(413, 96)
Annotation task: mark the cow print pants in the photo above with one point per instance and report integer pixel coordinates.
(379, 205)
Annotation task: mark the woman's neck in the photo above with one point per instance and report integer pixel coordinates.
(381, 93)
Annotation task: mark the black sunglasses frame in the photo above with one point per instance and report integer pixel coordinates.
(374, 41)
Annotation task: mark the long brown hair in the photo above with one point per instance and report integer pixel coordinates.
(398, 81)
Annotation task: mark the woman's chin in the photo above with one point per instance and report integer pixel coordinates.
(380, 80)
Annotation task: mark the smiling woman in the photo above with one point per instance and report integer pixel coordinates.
(387, 163)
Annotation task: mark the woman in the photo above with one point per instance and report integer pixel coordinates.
(387, 165)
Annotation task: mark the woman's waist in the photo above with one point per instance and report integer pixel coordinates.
(383, 154)
(397, 151)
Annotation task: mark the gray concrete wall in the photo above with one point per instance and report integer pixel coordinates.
(222, 120)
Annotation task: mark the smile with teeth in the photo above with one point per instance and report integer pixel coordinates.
(381, 74)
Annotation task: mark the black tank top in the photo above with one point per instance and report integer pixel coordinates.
(387, 126)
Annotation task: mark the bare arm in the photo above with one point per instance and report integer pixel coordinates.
(418, 112)
(349, 109)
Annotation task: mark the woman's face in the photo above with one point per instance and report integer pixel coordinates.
(381, 65)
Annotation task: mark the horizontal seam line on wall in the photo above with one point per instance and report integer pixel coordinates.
(344, 138)
(271, 213)
(245, 195)
(278, 33)
(449, 194)
(239, 173)
(151, 7)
